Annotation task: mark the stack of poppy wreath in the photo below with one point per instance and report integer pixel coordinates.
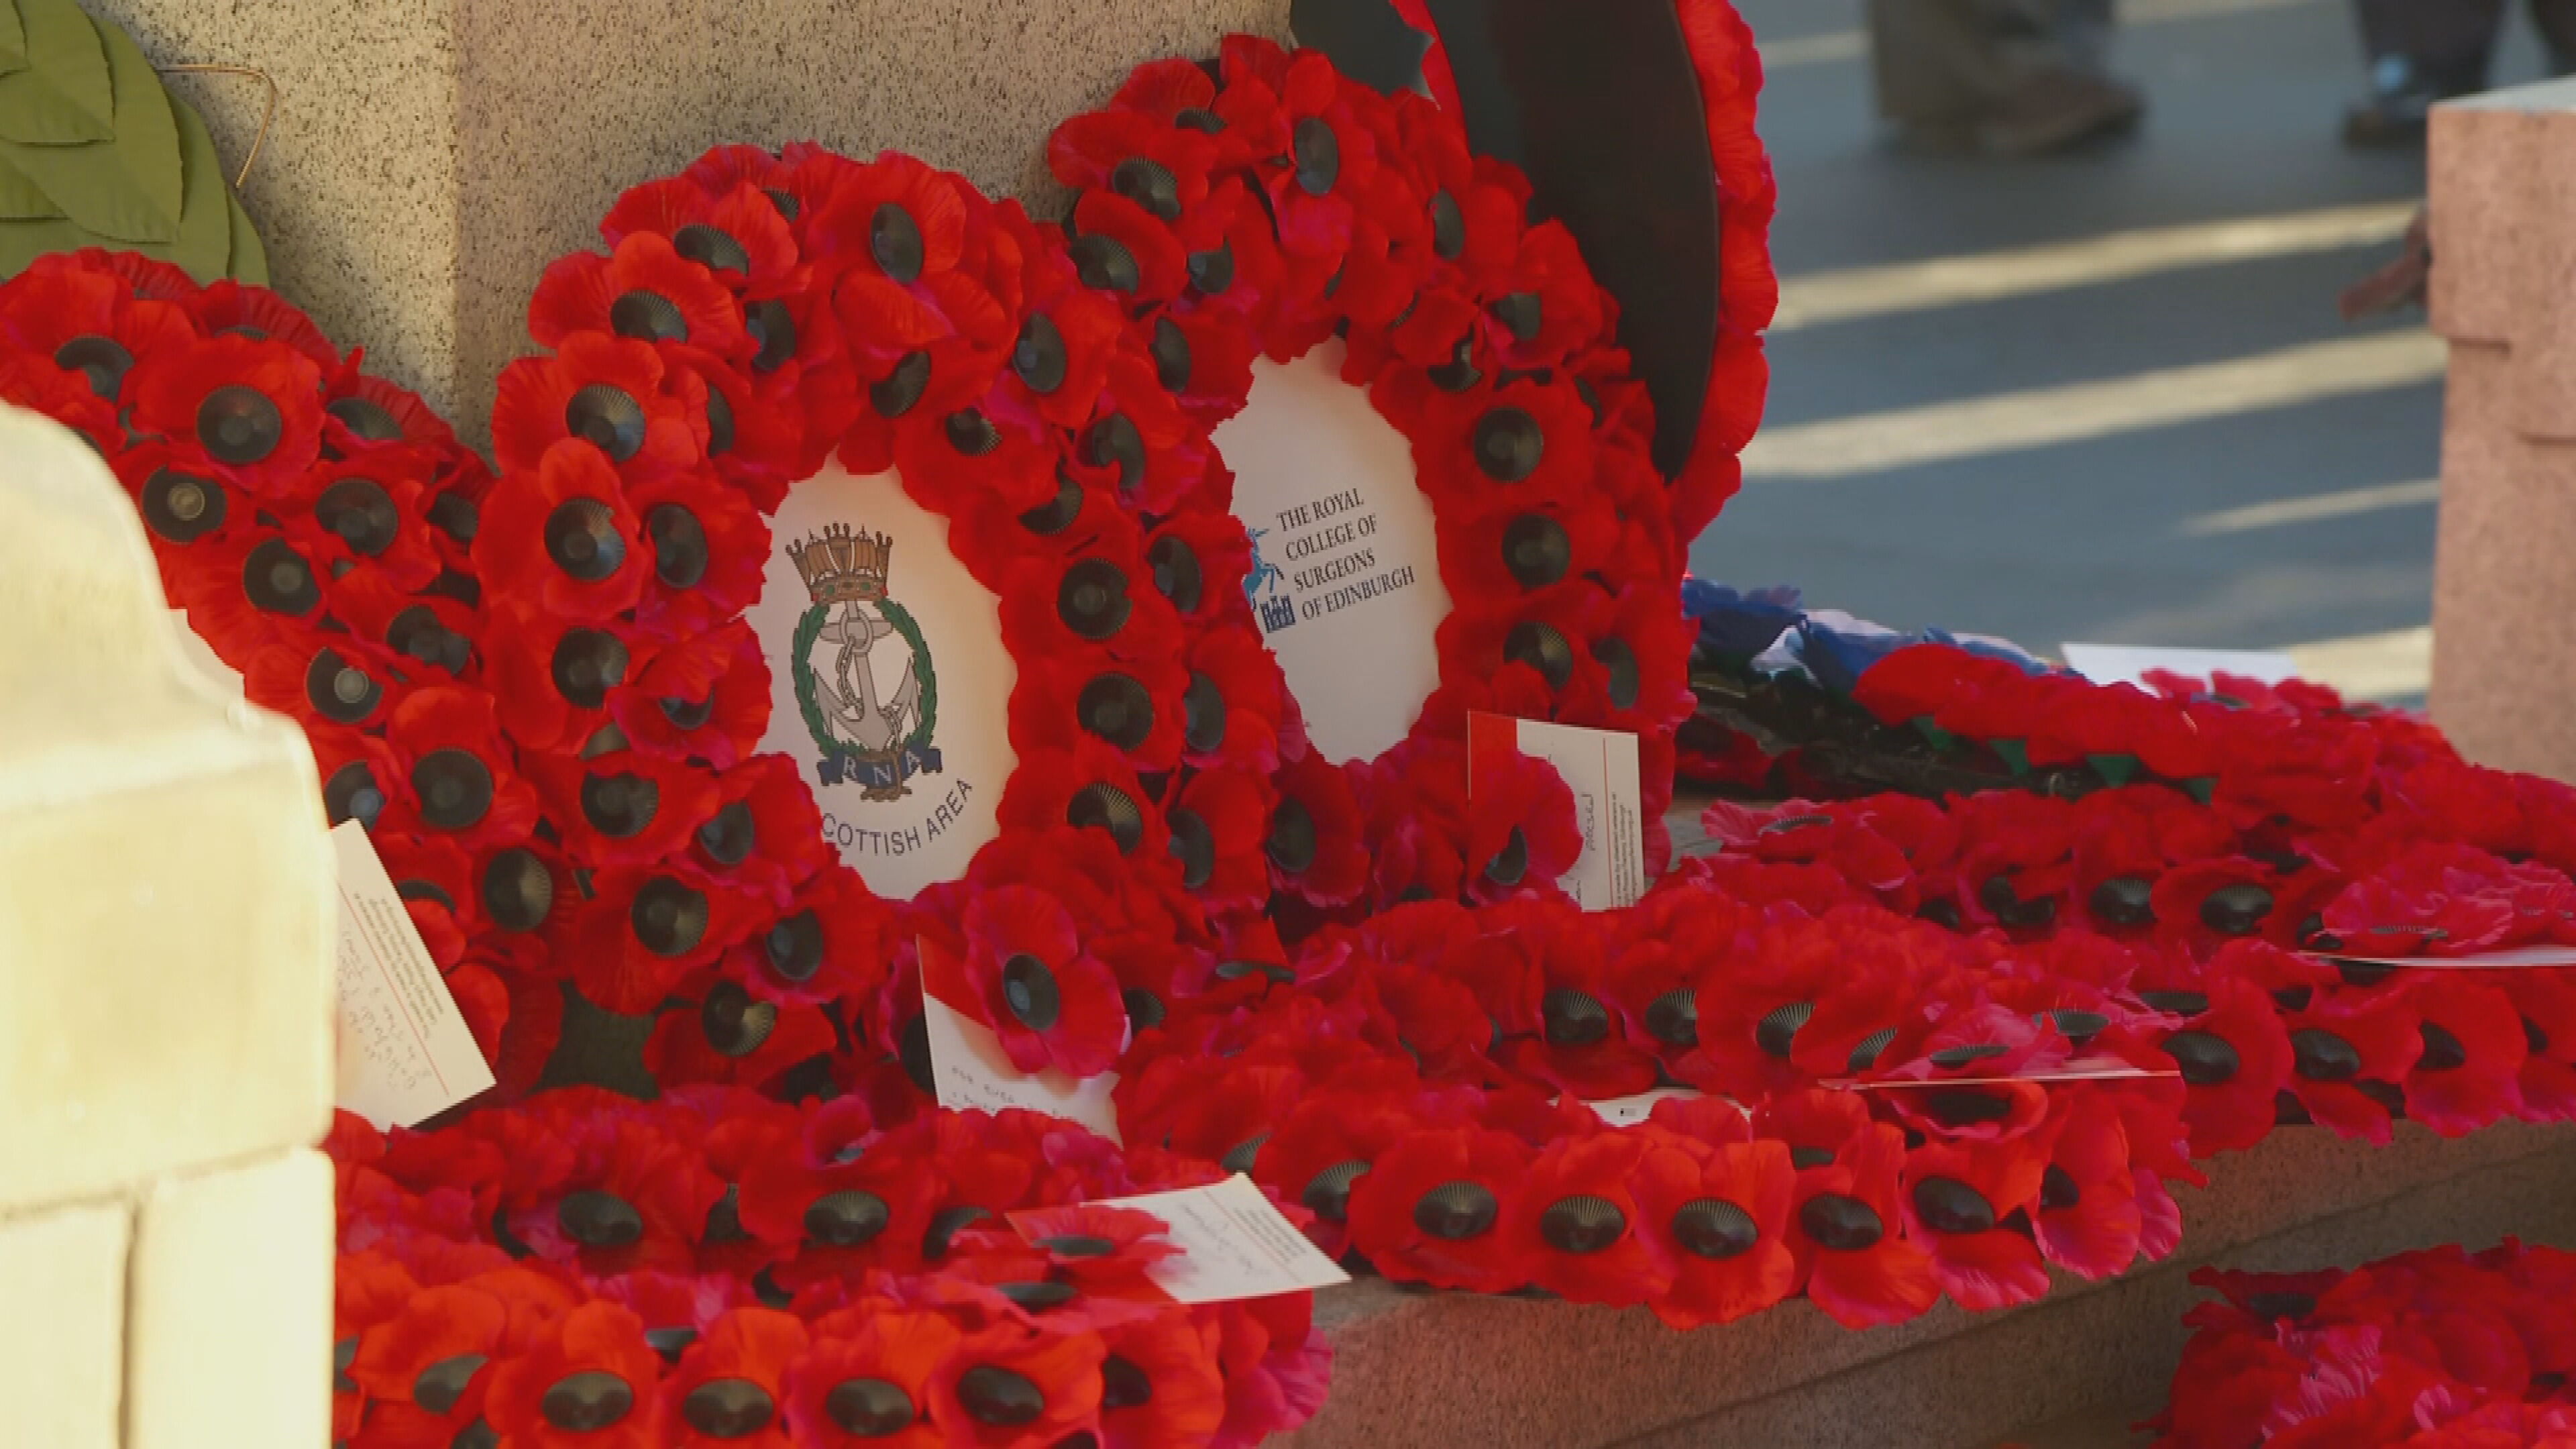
(2440, 1349)
(539, 694)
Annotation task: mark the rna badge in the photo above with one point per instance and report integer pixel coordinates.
(864, 679)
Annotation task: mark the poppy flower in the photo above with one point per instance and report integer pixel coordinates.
(1558, 308)
(723, 1034)
(1323, 1146)
(2469, 1072)
(1134, 253)
(733, 230)
(1429, 1209)
(764, 836)
(2088, 1218)
(458, 778)
(90, 326)
(867, 1205)
(759, 437)
(1275, 1366)
(1496, 449)
(645, 290)
(634, 1198)
(705, 697)
(1575, 1219)
(1220, 825)
(584, 1381)
(728, 1386)
(248, 412)
(2546, 1003)
(865, 1382)
(828, 944)
(2346, 1053)
(1846, 1232)
(1103, 1250)
(623, 806)
(1134, 706)
(2448, 900)
(572, 545)
(1227, 1121)
(326, 680)
(1010, 1384)
(708, 547)
(2235, 1058)
(927, 275)
(1957, 1197)
(439, 888)
(1329, 160)
(66, 397)
(425, 1368)
(604, 393)
(553, 677)
(1161, 1383)
(643, 930)
(1521, 828)
(1051, 1002)
(1723, 1214)
(1315, 846)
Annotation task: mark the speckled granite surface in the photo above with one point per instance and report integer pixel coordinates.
(433, 155)
(2504, 600)
(355, 191)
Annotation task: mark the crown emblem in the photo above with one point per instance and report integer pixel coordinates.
(840, 566)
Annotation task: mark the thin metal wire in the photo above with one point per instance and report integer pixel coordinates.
(266, 116)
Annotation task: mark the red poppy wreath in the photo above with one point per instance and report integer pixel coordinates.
(1436, 447)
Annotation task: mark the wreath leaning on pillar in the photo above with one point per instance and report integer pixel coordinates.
(95, 151)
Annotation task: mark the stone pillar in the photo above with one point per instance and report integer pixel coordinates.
(432, 156)
(166, 920)
(2504, 598)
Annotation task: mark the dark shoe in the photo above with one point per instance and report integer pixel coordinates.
(2402, 283)
(2402, 97)
(2057, 109)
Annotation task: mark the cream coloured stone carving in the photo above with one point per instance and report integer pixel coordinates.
(165, 879)
(166, 920)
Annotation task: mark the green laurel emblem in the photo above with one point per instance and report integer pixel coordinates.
(808, 630)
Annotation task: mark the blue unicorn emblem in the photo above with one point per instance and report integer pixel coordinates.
(1277, 611)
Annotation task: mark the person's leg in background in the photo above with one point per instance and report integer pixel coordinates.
(2421, 51)
(2012, 77)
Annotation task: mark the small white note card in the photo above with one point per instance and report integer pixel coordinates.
(2128, 664)
(405, 1052)
(2503, 958)
(970, 1071)
(1233, 1244)
(1629, 1111)
(1600, 767)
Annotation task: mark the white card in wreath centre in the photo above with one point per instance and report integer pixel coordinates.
(889, 686)
(1345, 560)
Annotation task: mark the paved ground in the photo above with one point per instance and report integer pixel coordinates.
(2151, 430)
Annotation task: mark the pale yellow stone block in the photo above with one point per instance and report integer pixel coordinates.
(62, 1326)
(230, 1347)
(165, 876)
